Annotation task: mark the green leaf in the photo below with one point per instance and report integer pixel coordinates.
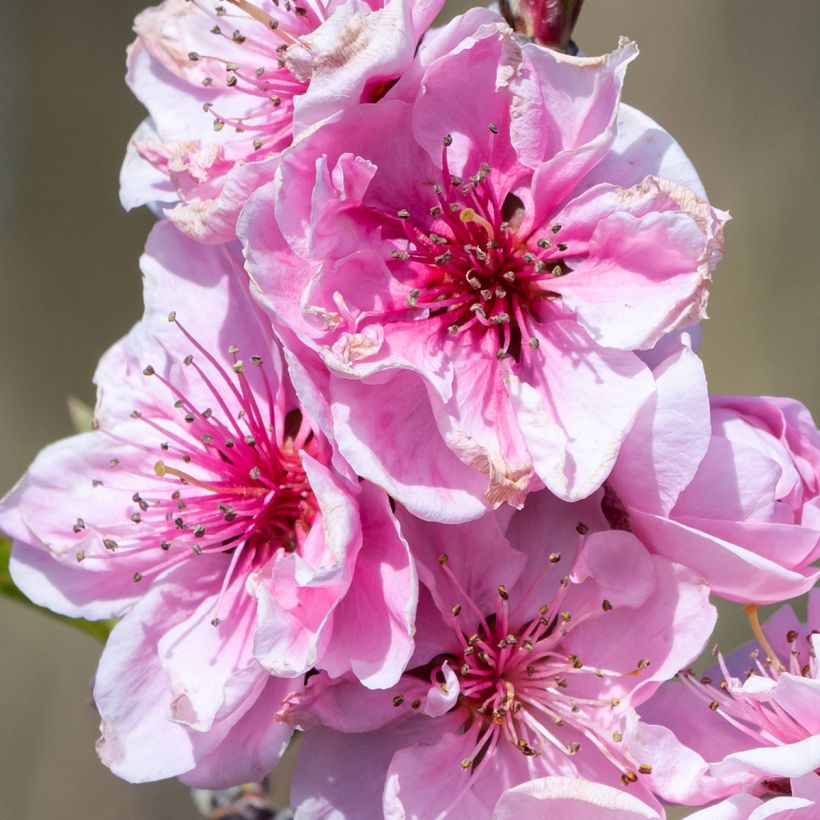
(97, 629)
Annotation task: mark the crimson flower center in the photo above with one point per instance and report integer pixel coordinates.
(467, 265)
(234, 475)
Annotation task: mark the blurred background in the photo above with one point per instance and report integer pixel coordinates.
(734, 81)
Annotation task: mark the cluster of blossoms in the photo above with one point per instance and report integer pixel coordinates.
(412, 452)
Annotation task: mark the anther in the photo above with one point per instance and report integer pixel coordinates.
(493, 128)
(455, 610)
(554, 557)
(137, 576)
(443, 559)
(581, 528)
(398, 700)
(502, 592)
(645, 768)
(448, 140)
(403, 214)
(148, 371)
(80, 556)
(555, 228)
(215, 622)
(606, 605)
(110, 544)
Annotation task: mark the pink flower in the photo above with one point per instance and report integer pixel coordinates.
(494, 255)
(728, 488)
(756, 716)
(537, 635)
(205, 509)
(262, 72)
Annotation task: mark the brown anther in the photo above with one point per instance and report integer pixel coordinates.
(165, 545)
(566, 617)
(555, 228)
(554, 557)
(645, 768)
(443, 559)
(606, 605)
(617, 736)
(465, 670)
(415, 704)
(562, 246)
(714, 705)
(215, 622)
(398, 700)
(493, 128)
(502, 592)
(110, 544)
(530, 670)
(544, 243)
(136, 518)
(791, 635)
(80, 556)
(467, 763)
(448, 140)
(79, 525)
(455, 610)
(581, 528)
(137, 576)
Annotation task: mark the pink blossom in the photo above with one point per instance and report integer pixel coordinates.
(729, 488)
(495, 261)
(756, 716)
(263, 72)
(537, 635)
(205, 510)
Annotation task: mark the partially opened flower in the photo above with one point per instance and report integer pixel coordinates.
(727, 487)
(538, 638)
(205, 510)
(755, 717)
(262, 72)
(493, 254)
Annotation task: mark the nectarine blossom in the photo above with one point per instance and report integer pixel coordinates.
(496, 262)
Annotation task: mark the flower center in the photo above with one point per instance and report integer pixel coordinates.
(466, 264)
(518, 682)
(254, 65)
(759, 717)
(235, 480)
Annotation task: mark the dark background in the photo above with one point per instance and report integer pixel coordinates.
(735, 82)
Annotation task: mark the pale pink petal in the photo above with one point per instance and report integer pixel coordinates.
(660, 455)
(564, 798)
(378, 432)
(372, 629)
(574, 430)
